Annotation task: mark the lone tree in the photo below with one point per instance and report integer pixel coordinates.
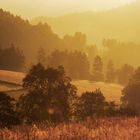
(98, 69)
(90, 104)
(131, 93)
(7, 113)
(49, 94)
(110, 74)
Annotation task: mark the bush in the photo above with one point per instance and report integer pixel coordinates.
(90, 104)
(8, 116)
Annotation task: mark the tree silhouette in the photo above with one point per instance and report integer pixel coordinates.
(12, 58)
(98, 69)
(131, 93)
(42, 56)
(90, 104)
(49, 94)
(110, 74)
(7, 113)
(75, 63)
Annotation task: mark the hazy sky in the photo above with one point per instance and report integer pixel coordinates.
(34, 8)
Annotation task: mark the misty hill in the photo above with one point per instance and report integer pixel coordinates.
(121, 23)
(13, 29)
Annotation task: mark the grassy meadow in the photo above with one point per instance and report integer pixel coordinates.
(112, 92)
(11, 83)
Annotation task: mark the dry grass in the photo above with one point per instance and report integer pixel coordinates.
(11, 77)
(10, 82)
(112, 92)
(101, 129)
(6, 88)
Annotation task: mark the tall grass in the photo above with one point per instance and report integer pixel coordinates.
(100, 129)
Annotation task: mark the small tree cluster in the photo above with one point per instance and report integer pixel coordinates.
(75, 63)
(94, 104)
(11, 58)
(111, 75)
(90, 104)
(98, 69)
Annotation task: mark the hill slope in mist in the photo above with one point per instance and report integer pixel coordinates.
(29, 38)
(121, 23)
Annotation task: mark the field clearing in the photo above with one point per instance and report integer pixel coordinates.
(112, 92)
(5, 86)
(12, 85)
(99, 129)
(11, 77)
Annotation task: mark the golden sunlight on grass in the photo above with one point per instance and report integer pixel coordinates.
(111, 91)
(100, 129)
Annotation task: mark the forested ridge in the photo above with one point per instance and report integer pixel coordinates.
(13, 29)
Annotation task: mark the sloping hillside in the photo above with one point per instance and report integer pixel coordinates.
(13, 29)
(11, 77)
(12, 85)
(121, 23)
(10, 82)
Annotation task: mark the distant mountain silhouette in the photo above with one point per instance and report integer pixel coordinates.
(122, 23)
(22, 34)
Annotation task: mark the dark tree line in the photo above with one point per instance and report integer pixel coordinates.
(109, 73)
(11, 58)
(75, 63)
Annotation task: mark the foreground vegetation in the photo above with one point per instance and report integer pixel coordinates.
(51, 110)
(100, 129)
